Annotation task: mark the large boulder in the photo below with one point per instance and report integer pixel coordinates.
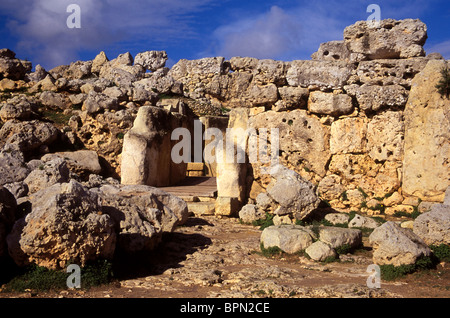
(47, 174)
(340, 237)
(29, 136)
(82, 162)
(66, 225)
(394, 245)
(324, 74)
(147, 149)
(8, 207)
(141, 214)
(12, 165)
(299, 134)
(391, 40)
(19, 107)
(427, 137)
(290, 239)
(434, 226)
(13, 68)
(330, 104)
(293, 194)
(151, 60)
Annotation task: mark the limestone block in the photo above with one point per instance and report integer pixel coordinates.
(330, 104)
(391, 40)
(324, 74)
(385, 136)
(348, 136)
(427, 138)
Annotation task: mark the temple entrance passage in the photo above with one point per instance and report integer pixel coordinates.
(200, 187)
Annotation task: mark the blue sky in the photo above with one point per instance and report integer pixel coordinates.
(281, 29)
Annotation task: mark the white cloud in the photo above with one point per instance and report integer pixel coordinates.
(43, 32)
(443, 48)
(277, 34)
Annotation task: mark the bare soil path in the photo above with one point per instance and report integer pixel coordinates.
(221, 258)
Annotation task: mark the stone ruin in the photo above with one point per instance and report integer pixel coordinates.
(361, 121)
(361, 127)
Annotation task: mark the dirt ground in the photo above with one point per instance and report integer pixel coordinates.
(221, 258)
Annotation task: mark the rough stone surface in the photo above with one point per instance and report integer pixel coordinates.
(12, 165)
(330, 104)
(65, 225)
(324, 74)
(434, 227)
(394, 245)
(320, 251)
(427, 137)
(391, 40)
(385, 136)
(82, 162)
(299, 133)
(151, 60)
(348, 136)
(292, 193)
(48, 174)
(337, 218)
(289, 238)
(250, 213)
(339, 237)
(360, 221)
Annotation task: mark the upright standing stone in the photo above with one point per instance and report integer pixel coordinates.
(426, 169)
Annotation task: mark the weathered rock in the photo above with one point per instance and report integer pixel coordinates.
(427, 137)
(147, 149)
(372, 98)
(339, 237)
(394, 245)
(100, 60)
(18, 189)
(97, 102)
(141, 214)
(264, 201)
(151, 60)
(330, 104)
(348, 136)
(333, 51)
(391, 40)
(294, 97)
(330, 187)
(20, 108)
(434, 227)
(250, 213)
(28, 136)
(83, 162)
(360, 221)
(294, 194)
(320, 251)
(48, 174)
(14, 69)
(299, 133)
(324, 74)
(337, 218)
(65, 225)
(54, 100)
(385, 136)
(8, 206)
(12, 165)
(390, 72)
(290, 239)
